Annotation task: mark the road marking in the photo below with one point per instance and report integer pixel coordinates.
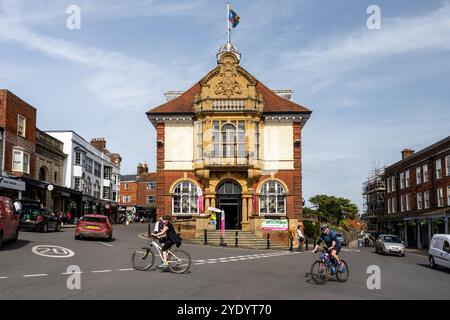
(70, 273)
(129, 269)
(243, 258)
(106, 244)
(51, 251)
(35, 275)
(3, 277)
(101, 271)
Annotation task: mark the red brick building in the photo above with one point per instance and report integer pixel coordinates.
(138, 192)
(418, 195)
(234, 142)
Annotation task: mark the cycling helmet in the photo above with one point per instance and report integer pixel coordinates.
(325, 226)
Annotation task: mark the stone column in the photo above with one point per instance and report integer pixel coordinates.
(244, 209)
(213, 201)
(406, 233)
(419, 243)
(250, 207)
(207, 203)
(430, 224)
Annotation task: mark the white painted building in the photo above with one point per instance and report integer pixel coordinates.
(92, 172)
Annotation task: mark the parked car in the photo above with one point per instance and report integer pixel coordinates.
(341, 239)
(390, 244)
(9, 227)
(439, 252)
(33, 217)
(94, 226)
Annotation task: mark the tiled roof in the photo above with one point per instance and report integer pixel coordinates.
(128, 177)
(185, 102)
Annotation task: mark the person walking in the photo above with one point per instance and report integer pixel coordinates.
(300, 238)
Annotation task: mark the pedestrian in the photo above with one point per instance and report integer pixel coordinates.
(159, 225)
(300, 238)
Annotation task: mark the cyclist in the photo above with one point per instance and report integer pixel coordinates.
(332, 243)
(172, 238)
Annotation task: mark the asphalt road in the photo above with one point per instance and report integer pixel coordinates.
(216, 273)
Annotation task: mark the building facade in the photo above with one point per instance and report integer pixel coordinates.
(138, 193)
(89, 171)
(232, 143)
(418, 195)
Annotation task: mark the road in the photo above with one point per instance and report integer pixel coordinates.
(216, 273)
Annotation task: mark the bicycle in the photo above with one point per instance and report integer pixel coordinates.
(326, 266)
(179, 261)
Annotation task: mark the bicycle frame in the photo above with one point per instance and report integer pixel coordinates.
(159, 249)
(328, 261)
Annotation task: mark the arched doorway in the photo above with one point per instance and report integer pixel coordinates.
(229, 200)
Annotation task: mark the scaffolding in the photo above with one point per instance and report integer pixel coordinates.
(374, 189)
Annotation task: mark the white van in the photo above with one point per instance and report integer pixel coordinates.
(439, 252)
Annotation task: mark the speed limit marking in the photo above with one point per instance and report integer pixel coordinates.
(52, 251)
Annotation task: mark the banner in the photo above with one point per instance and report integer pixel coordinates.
(274, 225)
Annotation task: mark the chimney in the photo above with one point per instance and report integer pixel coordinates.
(407, 153)
(99, 143)
(140, 169)
(145, 167)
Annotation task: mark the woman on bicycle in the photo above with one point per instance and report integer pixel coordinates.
(172, 238)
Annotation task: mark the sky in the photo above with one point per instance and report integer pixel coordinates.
(373, 92)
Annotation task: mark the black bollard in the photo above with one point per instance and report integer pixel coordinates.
(236, 241)
(268, 241)
(306, 244)
(291, 244)
(149, 229)
(205, 232)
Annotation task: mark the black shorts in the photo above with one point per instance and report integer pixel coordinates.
(338, 249)
(167, 245)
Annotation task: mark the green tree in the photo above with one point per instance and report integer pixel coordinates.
(332, 209)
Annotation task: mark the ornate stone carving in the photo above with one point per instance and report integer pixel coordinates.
(228, 85)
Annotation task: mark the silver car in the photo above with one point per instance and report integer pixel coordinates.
(390, 244)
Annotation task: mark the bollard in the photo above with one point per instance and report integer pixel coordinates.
(268, 241)
(179, 231)
(149, 229)
(306, 244)
(205, 233)
(236, 241)
(291, 244)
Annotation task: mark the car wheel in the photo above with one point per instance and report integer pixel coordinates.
(16, 236)
(431, 261)
(110, 238)
(58, 227)
(77, 237)
(45, 228)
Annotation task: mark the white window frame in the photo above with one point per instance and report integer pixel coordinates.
(394, 188)
(419, 201)
(427, 199)
(447, 166)
(151, 185)
(448, 196)
(78, 158)
(22, 165)
(440, 197)
(191, 196)
(407, 179)
(126, 199)
(265, 195)
(402, 203)
(408, 202)
(24, 125)
(438, 168)
(402, 180)
(425, 173)
(151, 197)
(418, 175)
(125, 186)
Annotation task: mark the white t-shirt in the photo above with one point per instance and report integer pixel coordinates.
(299, 233)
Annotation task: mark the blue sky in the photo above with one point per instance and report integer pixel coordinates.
(372, 92)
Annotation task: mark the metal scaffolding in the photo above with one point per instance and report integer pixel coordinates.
(374, 189)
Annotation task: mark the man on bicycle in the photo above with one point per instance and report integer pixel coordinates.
(332, 243)
(172, 238)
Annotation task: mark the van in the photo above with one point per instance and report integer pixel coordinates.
(439, 252)
(9, 226)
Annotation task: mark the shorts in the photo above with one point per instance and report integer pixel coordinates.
(338, 249)
(167, 245)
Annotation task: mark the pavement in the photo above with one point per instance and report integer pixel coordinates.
(30, 270)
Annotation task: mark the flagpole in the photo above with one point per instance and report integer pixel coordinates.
(228, 23)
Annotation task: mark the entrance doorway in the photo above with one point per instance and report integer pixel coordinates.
(229, 200)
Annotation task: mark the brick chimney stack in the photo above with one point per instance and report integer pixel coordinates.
(99, 144)
(407, 153)
(145, 167)
(140, 169)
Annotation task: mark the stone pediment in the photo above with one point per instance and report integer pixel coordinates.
(228, 88)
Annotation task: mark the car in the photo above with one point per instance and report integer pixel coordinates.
(94, 226)
(390, 244)
(439, 251)
(9, 226)
(33, 217)
(341, 239)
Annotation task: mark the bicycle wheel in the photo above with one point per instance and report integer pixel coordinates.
(179, 261)
(143, 259)
(319, 272)
(342, 276)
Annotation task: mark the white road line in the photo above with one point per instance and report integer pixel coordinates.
(70, 273)
(106, 244)
(101, 271)
(129, 269)
(35, 275)
(3, 277)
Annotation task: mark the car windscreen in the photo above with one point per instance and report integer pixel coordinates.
(94, 219)
(392, 239)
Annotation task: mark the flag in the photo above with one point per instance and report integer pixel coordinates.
(233, 17)
(200, 200)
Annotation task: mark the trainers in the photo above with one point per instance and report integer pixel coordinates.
(341, 267)
(163, 265)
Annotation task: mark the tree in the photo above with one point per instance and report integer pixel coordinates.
(332, 209)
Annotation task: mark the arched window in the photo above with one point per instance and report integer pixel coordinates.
(185, 198)
(228, 141)
(272, 198)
